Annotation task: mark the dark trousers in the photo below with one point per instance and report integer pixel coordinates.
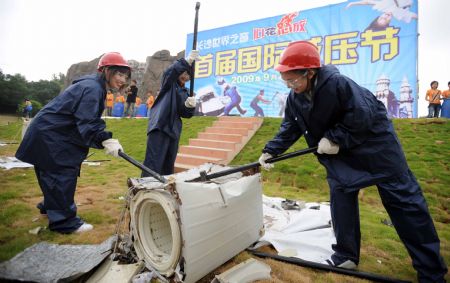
(433, 110)
(58, 187)
(161, 153)
(404, 202)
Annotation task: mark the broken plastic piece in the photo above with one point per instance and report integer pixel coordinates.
(112, 271)
(247, 271)
(290, 204)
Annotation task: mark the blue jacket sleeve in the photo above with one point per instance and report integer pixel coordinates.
(172, 73)
(287, 135)
(358, 106)
(90, 126)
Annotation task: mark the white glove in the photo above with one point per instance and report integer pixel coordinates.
(112, 147)
(190, 102)
(328, 147)
(262, 160)
(193, 56)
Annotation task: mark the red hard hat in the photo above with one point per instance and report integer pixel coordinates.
(299, 55)
(111, 59)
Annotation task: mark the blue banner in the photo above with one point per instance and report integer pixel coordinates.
(372, 42)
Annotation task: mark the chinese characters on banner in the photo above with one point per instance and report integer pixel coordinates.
(374, 44)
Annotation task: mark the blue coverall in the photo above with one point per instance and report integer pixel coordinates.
(58, 140)
(370, 154)
(235, 101)
(165, 125)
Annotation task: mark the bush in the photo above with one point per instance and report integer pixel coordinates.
(36, 107)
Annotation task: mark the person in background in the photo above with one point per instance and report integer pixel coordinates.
(131, 99)
(165, 125)
(254, 104)
(433, 96)
(59, 137)
(109, 103)
(27, 109)
(120, 98)
(136, 106)
(358, 147)
(150, 101)
(445, 110)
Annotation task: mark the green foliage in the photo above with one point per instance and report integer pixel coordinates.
(15, 88)
(44, 91)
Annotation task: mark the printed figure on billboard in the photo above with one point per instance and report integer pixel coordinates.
(280, 98)
(254, 104)
(235, 98)
(381, 22)
(399, 9)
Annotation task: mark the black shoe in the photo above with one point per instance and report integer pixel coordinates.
(41, 208)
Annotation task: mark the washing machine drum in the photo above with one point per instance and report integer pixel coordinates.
(156, 230)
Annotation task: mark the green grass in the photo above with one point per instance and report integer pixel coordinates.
(426, 145)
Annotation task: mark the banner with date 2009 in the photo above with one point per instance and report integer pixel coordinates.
(372, 42)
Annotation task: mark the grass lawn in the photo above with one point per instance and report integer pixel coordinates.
(426, 143)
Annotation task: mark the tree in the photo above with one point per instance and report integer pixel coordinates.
(44, 91)
(13, 90)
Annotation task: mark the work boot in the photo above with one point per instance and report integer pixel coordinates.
(84, 228)
(41, 208)
(348, 264)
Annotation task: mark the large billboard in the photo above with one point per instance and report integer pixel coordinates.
(372, 42)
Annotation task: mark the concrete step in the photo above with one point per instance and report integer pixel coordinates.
(220, 130)
(189, 159)
(205, 151)
(230, 124)
(240, 119)
(218, 144)
(220, 137)
(213, 143)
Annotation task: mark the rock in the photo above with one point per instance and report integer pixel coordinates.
(148, 75)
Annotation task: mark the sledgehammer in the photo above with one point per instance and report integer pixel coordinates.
(142, 167)
(194, 46)
(205, 177)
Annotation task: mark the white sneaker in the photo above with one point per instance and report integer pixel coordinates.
(348, 264)
(84, 228)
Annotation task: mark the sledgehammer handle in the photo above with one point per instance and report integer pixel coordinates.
(142, 167)
(194, 47)
(253, 165)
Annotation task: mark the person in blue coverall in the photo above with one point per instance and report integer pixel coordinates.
(164, 126)
(59, 137)
(358, 147)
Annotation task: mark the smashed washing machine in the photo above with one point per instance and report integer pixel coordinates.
(184, 230)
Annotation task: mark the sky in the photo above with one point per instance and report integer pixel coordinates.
(45, 37)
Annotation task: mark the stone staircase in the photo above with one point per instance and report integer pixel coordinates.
(219, 143)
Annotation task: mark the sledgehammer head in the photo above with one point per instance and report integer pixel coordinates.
(197, 5)
(203, 173)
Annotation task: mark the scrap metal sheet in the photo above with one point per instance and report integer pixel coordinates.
(45, 262)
